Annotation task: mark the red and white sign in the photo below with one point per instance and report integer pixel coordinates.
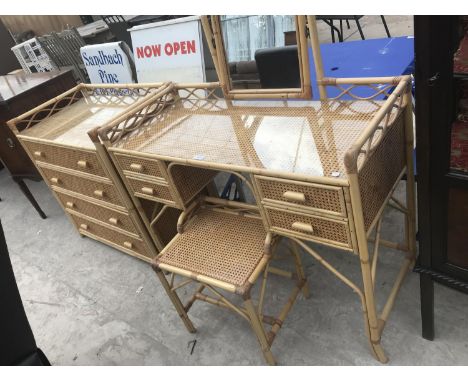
(169, 51)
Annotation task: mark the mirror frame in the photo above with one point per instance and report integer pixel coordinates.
(212, 29)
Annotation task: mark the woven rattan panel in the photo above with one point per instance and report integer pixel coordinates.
(70, 125)
(83, 186)
(72, 158)
(306, 137)
(166, 226)
(222, 246)
(106, 215)
(118, 238)
(150, 190)
(381, 170)
(189, 181)
(329, 199)
(139, 165)
(322, 228)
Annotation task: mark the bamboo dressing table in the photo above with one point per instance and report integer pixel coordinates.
(311, 165)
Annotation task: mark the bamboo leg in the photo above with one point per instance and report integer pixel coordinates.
(366, 271)
(299, 269)
(263, 289)
(376, 251)
(354, 288)
(176, 302)
(259, 331)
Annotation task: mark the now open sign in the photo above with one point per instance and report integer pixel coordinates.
(169, 51)
(108, 63)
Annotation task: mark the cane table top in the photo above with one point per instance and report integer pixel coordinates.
(70, 125)
(301, 137)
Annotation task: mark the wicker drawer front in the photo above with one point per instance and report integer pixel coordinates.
(309, 227)
(131, 164)
(151, 190)
(71, 158)
(106, 215)
(313, 197)
(101, 191)
(124, 242)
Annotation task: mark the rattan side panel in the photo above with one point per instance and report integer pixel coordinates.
(189, 181)
(335, 231)
(166, 226)
(379, 173)
(71, 158)
(88, 187)
(218, 245)
(320, 197)
(123, 241)
(150, 190)
(106, 215)
(132, 163)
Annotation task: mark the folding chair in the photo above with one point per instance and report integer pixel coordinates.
(208, 251)
(119, 28)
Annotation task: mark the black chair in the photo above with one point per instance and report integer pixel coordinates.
(17, 344)
(119, 28)
(329, 20)
(278, 67)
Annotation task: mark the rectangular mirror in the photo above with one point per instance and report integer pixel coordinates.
(260, 56)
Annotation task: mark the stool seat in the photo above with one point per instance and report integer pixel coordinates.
(218, 245)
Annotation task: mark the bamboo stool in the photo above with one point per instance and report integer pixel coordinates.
(238, 253)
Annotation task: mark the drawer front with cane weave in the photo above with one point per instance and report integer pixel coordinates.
(110, 216)
(151, 190)
(98, 190)
(124, 242)
(134, 165)
(306, 196)
(72, 158)
(309, 227)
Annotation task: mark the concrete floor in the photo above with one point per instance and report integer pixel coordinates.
(372, 28)
(89, 304)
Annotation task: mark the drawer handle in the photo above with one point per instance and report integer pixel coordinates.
(147, 190)
(114, 221)
(302, 227)
(136, 166)
(99, 193)
(82, 164)
(38, 154)
(70, 204)
(294, 196)
(84, 226)
(55, 180)
(128, 244)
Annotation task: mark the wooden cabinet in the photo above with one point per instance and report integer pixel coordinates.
(20, 93)
(442, 156)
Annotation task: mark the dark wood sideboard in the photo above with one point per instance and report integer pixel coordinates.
(20, 93)
(441, 47)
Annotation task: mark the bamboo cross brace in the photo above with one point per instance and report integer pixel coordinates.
(226, 301)
(181, 284)
(348, 91)
(266, 319)
(398, 205)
